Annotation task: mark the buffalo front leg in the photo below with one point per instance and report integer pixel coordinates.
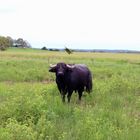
(63, 96)
(69, 96)
(80, 94)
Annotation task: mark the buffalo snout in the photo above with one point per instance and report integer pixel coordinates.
(60, 74)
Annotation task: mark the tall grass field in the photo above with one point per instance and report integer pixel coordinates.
(31, 107)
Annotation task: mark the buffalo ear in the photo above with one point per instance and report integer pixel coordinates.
(52, 68)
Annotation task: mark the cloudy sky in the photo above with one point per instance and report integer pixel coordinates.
(104, 24)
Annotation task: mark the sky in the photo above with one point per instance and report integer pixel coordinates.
(79, 24)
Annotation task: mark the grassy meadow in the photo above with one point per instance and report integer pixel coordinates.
(31, 106)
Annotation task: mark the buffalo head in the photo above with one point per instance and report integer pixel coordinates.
(60, 69)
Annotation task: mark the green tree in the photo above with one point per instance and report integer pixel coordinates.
(22, 43)
(44, 48)
(4, 43)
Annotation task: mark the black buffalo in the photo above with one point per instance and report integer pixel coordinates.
(71, 78)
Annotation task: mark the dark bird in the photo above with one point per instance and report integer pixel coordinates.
(68, 50)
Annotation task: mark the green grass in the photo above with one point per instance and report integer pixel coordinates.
(31, 107)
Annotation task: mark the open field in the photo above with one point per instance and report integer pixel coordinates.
(31, 107)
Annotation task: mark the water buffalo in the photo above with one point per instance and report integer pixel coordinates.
(72, 77)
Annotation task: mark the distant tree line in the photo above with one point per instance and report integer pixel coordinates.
(49, 49)
(67, 50)
(6, 42)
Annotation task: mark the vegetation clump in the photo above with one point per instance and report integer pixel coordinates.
(31, 108)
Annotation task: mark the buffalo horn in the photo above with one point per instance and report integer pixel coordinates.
(52, 66)
(70, 66)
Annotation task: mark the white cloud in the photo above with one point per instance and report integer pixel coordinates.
(83, 21)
